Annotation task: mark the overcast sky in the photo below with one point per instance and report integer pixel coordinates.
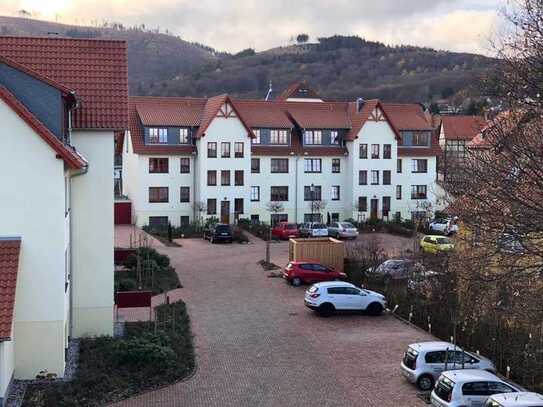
(232, 25)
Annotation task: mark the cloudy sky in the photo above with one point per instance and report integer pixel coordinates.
(232, 25)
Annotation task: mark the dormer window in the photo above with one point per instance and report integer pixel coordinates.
(256, 140)
(184, 136)
(158, 136)
(312, 137)
(278, 137)
(334, 137)
(416, 138)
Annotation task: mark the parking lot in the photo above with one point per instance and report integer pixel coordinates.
(257, 344)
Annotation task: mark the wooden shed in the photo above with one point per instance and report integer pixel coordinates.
(326, 250)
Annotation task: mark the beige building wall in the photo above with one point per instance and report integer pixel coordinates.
(92, 236)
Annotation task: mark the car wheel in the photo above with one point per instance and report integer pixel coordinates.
(296, 281)
(375, 309)
(326, 309)
(425, 382)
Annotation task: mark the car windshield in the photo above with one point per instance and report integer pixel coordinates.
(291, 226)
(443, 240)
(347, 225)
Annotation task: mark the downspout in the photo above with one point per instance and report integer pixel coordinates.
(296, 190)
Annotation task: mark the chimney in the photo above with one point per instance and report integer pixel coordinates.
(359, 104)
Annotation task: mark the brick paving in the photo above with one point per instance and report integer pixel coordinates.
(257, 345)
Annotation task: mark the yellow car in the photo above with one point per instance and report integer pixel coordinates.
(436, 244)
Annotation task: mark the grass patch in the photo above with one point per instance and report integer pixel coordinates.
(114, 369)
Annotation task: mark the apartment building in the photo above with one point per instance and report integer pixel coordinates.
(61, 100)
(226, 157)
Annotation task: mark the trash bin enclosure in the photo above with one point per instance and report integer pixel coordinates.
(327, 251)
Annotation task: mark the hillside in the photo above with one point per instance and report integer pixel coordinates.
(151, 55)
(337, 67)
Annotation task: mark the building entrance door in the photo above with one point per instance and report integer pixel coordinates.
(225, 212)
(374, 208)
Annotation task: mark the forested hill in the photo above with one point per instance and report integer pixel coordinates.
(338, 67)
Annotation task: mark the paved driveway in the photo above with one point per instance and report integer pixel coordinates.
(257, 344)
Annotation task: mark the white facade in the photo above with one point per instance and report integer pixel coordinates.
(137, 179)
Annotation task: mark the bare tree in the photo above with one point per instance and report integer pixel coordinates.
(199, 208)
(273, 207)
(317, 207)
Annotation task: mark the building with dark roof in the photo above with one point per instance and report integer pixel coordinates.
(233, 156)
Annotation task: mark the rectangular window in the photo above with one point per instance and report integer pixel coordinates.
(312, 165)
(238, 205)
(387, 151)
(256, 140)
(335, 193)
(184, 136)
(185, 194)
(334, 137)
(279, 165)
(386, 205)
(225, 150)
(212, 150)
(279, 194)
(375, 151)
(398, 192)
(211, 206)
(312, 137)
(278, 137)
(158, 165)
(212, 178)
(185, 220)
(362, 177)
(336, 165)
(255, 165)
(238, 178)
(158, 221)
(374, 177)
(399, 165)
(158, 136)
(421, 138)
(418, 191)
(314, 194)
(363, 151)
(255, 219)
(225, 177)
(238, 150)
(386, 177)
(335, 217)
(158, 194)
(419, 165)
(362, 204)
(185, 165)
(255, 194)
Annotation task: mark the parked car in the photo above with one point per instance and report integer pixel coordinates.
(394, 269)
(342, 230)
(468, 388)
(285, 230)
(521, 399)
(313, 229)
(444, 226)
(423, 362)
(327, 298)
(303, 272)
(425, 280)
(436, 244)
(218, 232)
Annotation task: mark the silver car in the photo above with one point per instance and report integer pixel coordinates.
(520, 399)
(423, 362)
(342, 230)
(313, 229)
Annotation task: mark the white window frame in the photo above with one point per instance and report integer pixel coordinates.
(312, 165)
(256, 140)
(374, 177)
(312, 137)
(184, 135)
(336, 193)
(334, 137)
(278, 137)
(255, 194)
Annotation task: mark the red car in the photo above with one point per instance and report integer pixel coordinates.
(285, 230)
(299, 272)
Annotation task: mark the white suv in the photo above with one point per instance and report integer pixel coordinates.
(468, 388)
(331, 296)
(522, 399)
(423, 362)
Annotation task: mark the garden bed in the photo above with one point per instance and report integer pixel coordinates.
(151, 355)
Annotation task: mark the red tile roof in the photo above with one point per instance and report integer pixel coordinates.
(462, 127)
(161, 111)
(9, 266)
(212, 107)
(298, 90)
(407, 116)
(70, 156)
(97, 70)
(319, 115)
(263, 114)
